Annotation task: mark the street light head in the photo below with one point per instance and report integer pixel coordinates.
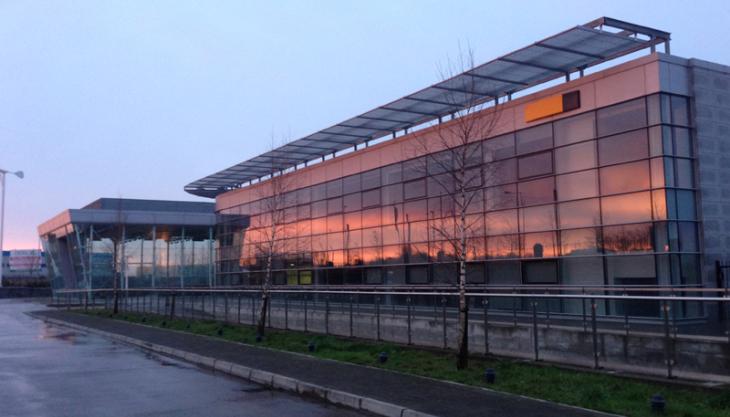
(19, 174)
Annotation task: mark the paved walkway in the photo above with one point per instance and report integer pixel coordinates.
(420, 394)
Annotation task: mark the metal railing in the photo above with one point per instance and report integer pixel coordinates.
(611, 327)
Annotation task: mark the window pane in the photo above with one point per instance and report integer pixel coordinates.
(393, 194)
(351, 202)
(657, 172)
(582, 271)
(534, 219)
(371, 217)
(415, 189)
(351, 184)
(625, 178)
(682, 142)
(501, 172)
(685, 205)
(680, 111)
(579, 213)
(501, 222)
(659, 204)
(506, 246)
(541, 272)
(371, 198)
(319, 192)
(415, 210)
(577, 185)
(391, 174)
(534, 165)
(334, 223)
(500, 147)
(535, 139)
(391, 214)
(319, 208)
(579, 242)
(414, 168)
(684, 178)
(334, 205)
(628, 208)
(536, 191)
(688, 237)
(500, 197)
(575, 157)
(370, 179)
(628, 238)
(621, 117)
(654, 109)
(417, 275)
(504, 273)
(622, 148)
(575, 129)
(626, 270)
(539, 245)
(334, 188)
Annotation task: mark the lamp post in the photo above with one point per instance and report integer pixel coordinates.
(3, 172)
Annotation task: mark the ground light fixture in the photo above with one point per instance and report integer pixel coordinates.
(3, 174)
(490, 375)
(383, 357)
(311, 346)
(658, 403)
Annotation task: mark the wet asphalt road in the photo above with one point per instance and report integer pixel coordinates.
(53, 371)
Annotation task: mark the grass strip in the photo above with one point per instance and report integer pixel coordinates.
(597, 391)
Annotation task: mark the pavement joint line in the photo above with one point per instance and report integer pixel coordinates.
(258, 376)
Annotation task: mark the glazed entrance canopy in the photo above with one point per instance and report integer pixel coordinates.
(558, 56)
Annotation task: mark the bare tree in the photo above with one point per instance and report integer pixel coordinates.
(454, 163)
(271, 226)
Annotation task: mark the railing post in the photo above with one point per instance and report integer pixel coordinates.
(583, 302)
(408, 308)
(327, 314)
(238, 312)
(668, 356)
(86, 302)
(286, 311)
(306, 315)
(443, 313)
(377, 316)
(225, 306)
(535, 341)
(253, 309)
(514, 310)
(485, 303)
(270, 300)
(157, 301)
(351, 315)
(172, 307)
(595, 333)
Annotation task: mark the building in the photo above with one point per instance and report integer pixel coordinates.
(23, 267)
(149, 243)
(590, 174)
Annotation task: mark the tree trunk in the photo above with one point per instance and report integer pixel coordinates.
(463, 355)
(261, 325)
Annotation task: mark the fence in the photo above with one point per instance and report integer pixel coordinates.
(670, 331)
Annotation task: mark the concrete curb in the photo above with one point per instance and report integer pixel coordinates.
(257, 376)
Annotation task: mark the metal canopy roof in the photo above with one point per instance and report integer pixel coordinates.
(557, 56)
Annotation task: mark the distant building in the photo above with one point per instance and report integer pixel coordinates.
(155, 243)
(23, 265)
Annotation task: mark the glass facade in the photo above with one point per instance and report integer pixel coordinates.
(147, 256)
(606, 197)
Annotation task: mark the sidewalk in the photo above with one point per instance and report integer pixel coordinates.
(380, 391)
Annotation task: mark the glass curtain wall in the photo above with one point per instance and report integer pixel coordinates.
(606, 197)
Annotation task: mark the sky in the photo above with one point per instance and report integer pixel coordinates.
(136, 99)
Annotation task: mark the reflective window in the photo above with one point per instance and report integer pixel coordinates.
(334, 188)
(575, 129)
(627, 238)
(319, 208)
(353, 220)
(391, 174)
(505, 246)
(688, 237)
(539, 245)
(334, 205)
(371, 198)
(500, 197)
(579, 213)
(391, 214)
(682, 142)
(684, 177)
(575, 157)
(577, 185)
(351, 202)
(501, 222)
(580, 241)
(414, 189)
(537, 218)
(371, 217)
(504, 273)
(535, 139)
(334, 223)
(392, 194)
(370, 179)
(415, 210)
(501, 172)
(351, 184)
(624, 147)
(540, 272)
(621, 117)
(625, 178)
(500, 147)
(685, 205)
(657, 172)
(534, 165)
(536, 191)
(627, 270)
(626, 208)
(680, 111)
(414, 168)
(319, 192)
